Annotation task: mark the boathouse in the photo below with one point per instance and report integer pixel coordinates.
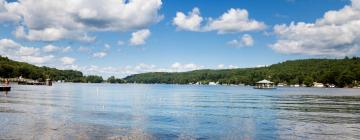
(264, 84)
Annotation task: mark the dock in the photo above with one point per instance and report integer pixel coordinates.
(5, 88)
(24, 81)
(264, 84)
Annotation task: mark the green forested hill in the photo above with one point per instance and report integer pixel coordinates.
(12, 69)
(340, 72)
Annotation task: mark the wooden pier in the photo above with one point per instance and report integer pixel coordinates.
(23, 81)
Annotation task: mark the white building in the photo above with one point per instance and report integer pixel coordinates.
(213, 83)
(319, 85)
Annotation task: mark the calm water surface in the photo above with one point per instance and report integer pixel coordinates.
(133, 111)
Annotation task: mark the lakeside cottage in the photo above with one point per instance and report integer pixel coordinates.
(319, 85)
(213, 83)
(264, 84)
(281, 84)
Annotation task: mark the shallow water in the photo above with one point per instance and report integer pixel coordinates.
(135, 111)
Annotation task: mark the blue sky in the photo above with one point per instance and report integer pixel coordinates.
(125, 37)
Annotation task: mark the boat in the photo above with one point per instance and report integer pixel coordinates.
(5, 88)
(264, 84)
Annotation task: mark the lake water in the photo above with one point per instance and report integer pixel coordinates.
(135, 111)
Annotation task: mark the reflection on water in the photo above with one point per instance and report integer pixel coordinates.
(106, 111)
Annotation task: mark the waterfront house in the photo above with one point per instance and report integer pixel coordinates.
(296, 85)
(213, 83)
(281, 84)
(330, 86)
(319, 85)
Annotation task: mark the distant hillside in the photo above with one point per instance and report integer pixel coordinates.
(12, 69)
(340, 72)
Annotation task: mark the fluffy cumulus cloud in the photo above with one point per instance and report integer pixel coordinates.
(245, 41)
(52, 34)
(190, 22)
(234, 20)
(67, 60)
(222, 66)
(48, 20)
(139, 37)
(99, 54)
(7, 12)
(16, 51)
(178, 67)
(113, 71)
(337, 34)
(50, 48)
(34, 55)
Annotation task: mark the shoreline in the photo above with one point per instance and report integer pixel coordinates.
(55, 83)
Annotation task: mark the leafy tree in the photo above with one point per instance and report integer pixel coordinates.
(111, 79)
(94, 79)
(12, 69)
(308, 81)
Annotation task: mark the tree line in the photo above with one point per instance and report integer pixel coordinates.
(339, 72)
(13, 69)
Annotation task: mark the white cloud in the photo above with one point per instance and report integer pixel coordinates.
(131, 69)
(67, 60)
(28, 51)
(116, 71)
(143, 66)
(259, 66)
(139, 37)
(52, 48)
(37, 59)
(52, 34)
(46, 34)
(190, 22)
(245, 41)
(337, 34)
(235, 20)
(233, 67)
(221, 66)
(6, 14)
(18, 52)
(99, 54)
(178, 67)
(19, 32)
(68, 19)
